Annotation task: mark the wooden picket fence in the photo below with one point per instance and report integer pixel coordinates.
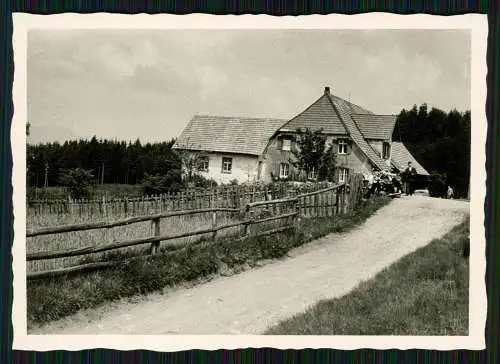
(254, 219)
(226, 196)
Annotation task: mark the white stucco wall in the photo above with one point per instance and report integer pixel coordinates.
(244, 168)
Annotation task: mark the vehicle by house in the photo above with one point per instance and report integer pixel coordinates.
(250, 149)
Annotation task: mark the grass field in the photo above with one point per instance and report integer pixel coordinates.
(80, 239)
(425, 293)
(97, 191)
(50, 299)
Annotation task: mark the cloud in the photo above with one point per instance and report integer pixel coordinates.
(123, 61)
(150, 83)
(211, 80)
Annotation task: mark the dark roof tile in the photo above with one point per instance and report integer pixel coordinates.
(375, 126)
(400, 156)
(228, 134)
(320, 115)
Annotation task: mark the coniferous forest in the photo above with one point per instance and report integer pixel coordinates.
(110, 161)
(440, 141)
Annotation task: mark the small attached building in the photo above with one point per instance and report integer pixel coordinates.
(228, 148)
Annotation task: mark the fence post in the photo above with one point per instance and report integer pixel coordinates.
(104, 205)
(317, 207)
(337, 200)
(296, 219)
(347, 190)
(322, 204)
(155, 226)
(214, 224)
(247, 217)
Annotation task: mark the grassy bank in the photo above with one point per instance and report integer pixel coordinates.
(51, 299)
(425, 293)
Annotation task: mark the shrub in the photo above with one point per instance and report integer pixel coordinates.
(158, 184)
(198, 181)
(78, 181)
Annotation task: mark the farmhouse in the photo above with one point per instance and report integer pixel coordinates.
(227, 148)
(361, 139)
(251, 149)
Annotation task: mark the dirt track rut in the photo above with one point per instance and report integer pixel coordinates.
(249, 302)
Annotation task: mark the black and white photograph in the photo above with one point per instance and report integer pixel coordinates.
(271, 179)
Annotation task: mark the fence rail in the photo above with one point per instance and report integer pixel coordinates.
(128, 221)
(325, 202)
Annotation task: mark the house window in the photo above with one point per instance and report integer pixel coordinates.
(284, 170)
(342, 146)
(287, 144)
(386, 150)
(313, 174)
(343, 174)
(203, 164)
(227, 165)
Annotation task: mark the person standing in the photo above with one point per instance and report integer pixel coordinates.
(409, 177)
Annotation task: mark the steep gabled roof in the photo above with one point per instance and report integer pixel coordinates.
(319, 115)
(400, 156)
(350, 107)
(375, 126)
(342, 107)
(228, 134)
(334, 115)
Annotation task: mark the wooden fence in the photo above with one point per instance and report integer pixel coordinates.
(227, 196)
(282, 214)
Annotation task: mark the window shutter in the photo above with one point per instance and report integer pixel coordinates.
(279, 143)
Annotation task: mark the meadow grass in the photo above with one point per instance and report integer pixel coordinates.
(424, 293)
(53, 298)
(80, 239)
(96, 191)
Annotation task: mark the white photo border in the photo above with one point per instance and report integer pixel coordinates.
(476, 23)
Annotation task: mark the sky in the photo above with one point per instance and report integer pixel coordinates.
(147, 84)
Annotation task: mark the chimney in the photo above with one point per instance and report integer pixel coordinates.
(327, 90)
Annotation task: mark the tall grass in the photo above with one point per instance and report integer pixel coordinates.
(425, 293)
(53, 298)
(80, 239)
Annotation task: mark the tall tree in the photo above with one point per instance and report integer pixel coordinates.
(311, 154)
(440, 141)
(310, 150)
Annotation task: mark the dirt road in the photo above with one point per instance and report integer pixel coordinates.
(251, 301)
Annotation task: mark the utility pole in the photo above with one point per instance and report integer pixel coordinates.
(28, 159)
(102, 174)
(46, 183)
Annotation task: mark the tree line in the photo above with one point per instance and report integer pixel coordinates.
(440, 141)
(108, 161)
